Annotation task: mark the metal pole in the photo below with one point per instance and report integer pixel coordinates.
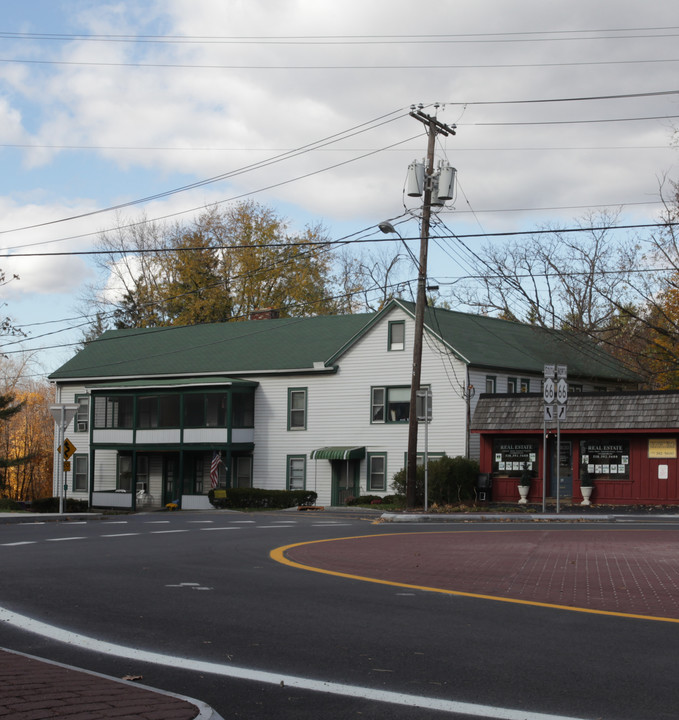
(60, 470)
(544, 464)
(558, 463)
(426, 451)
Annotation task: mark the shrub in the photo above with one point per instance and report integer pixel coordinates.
(398, 484)
(449, 479)
(7, 505)
(259, 498)
(51, 505)
(364, 500)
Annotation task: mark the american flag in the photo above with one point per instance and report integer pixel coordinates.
(214, 469)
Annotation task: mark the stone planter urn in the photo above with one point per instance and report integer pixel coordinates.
(586, 486)
(524, 485)
(586, 491)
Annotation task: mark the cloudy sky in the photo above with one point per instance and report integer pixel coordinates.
(560, 107)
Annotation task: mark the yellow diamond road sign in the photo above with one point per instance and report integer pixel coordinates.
(69, 449)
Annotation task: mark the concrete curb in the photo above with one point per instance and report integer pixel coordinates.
(205, 712)
(28, 517)
(523, 518)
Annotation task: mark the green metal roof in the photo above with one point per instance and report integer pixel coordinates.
(338, 452)
(294, 344)
(256, 346)
(489, 342)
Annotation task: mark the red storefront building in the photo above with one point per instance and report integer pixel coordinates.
(626, 442)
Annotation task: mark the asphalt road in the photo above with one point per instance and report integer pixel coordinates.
(195, 604)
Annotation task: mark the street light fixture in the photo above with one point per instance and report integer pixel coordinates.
(388, 229)
(420, 301)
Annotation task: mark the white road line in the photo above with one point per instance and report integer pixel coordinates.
(14, 544)
(199, 521)
(165, 532)
(120, 534)
(241, 522)
(221, 528)
(79, 537)
(328, 524)
(116, 522)
(157, 522)
(271, 527)
(83, 642)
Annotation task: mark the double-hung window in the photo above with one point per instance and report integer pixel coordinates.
(377, 404)
(377, 472)
(397, 335)
(297, 408)
(80, 473)
(296, 472)
(82, 418)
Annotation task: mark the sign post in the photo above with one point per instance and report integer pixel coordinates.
(423, 410)
(548, 416)
(561, 399)
(63, 413)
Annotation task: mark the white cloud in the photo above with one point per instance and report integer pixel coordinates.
(234, 116)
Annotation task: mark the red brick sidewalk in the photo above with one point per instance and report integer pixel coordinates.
(33, 689)
(624, 571)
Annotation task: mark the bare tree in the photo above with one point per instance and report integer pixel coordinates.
(555, 279)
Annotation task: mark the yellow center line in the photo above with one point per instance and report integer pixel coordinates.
(279, 555)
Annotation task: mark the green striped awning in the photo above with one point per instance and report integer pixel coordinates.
(338, 452)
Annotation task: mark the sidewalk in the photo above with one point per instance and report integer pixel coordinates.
(28, 517)
(35, 689)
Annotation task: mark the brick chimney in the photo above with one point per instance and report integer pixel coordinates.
(265, 314)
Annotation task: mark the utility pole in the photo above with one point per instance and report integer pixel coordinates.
(434, 128)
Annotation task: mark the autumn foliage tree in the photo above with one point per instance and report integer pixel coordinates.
(26, 441)
(222, 267)
(26, 433)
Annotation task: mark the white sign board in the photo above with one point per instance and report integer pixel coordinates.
(548, 391)
(63, 413)
(562, 391)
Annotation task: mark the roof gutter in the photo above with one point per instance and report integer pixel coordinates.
(318, 368)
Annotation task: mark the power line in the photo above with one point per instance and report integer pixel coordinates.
(377, 122)
(215, 148)
(185, 66)
(567, 99)
(569, 122)
(514, 233)
(504, 37)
